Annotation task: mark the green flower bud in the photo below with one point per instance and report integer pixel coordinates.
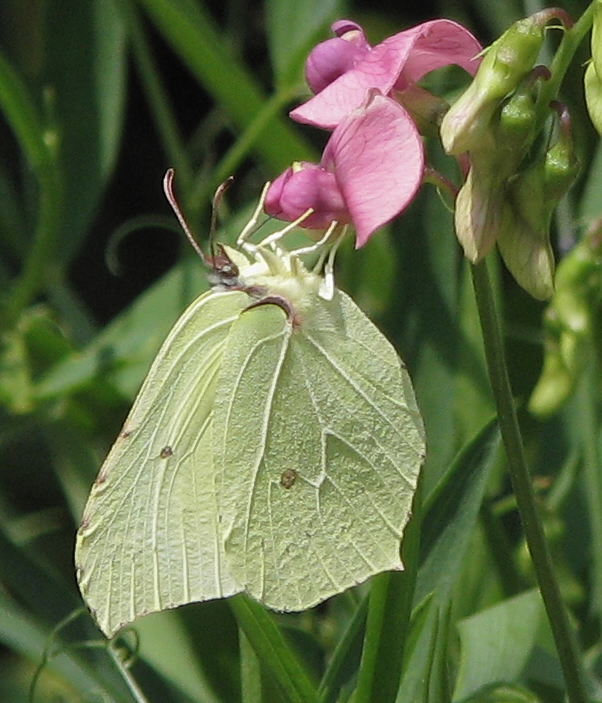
(593, 74)
(507, 61)
(555, 384)
(593, 96)
(479, 210)
(533, 195)
(517, 120)
(528, 256)
(572, 324)
(561, 164)
(597, 37)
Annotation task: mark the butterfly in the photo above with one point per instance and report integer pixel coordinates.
(273, 449)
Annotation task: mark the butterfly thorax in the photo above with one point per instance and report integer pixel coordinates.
(265, 273)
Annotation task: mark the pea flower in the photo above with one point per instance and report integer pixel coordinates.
(343, 69)
(514, 183)
(370, 170)
(373, 163)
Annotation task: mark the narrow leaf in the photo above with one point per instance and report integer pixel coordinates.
(272, 650)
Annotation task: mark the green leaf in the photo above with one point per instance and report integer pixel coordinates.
(122, 352)
(450, 515)
(85, 69)
(192, 34)
(166, 645)
(420, 649)
(346, 657)
(38, 145)
(497, 643)
(293, 29)
(22, 115)
(272, 650)
(589, 206)
(20, 631)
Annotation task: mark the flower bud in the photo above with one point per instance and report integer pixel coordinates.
(593, 96)
(597, 38)
(573, 330)
(561, 163)
(507, 61)
(533, 195)
(518, 115)
(333, 57)
(593, 74)
(482, 212)
(554, 387)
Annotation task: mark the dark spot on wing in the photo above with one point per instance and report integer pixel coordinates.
(288, 478)
(166, 452)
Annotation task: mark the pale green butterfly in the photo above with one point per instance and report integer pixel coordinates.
(273, 449)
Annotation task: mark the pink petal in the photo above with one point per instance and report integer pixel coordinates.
(353, 31)
(333, 57)
(441, 43)
(378, 70)
(329, 60)
(307, 185)
(414, 52)
(378, 159)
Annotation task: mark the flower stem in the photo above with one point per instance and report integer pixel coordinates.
(564, 636)
(562, 59)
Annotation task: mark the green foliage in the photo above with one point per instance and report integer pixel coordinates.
(463, 621)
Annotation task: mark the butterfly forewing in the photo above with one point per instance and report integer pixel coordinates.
(150, 537)
(324, 398)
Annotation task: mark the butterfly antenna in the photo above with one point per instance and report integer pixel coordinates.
(215, 203)
(171, 199)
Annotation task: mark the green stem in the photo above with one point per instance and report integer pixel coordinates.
(587, 429)
(564, 636)
(562, 59)
(40, 257)
(135, 690)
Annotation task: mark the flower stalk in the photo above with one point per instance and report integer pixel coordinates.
(563, 633)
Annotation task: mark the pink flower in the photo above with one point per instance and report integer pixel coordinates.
(342, 70)
(370, 170)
